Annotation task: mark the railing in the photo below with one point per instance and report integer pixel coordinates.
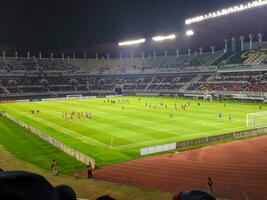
(235, 135)
(201, 141)
(72, 152)
(249, 93)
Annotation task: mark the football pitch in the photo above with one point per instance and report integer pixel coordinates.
(120, 126)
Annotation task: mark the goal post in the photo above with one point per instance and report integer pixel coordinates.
(257, 120)
(74, 96)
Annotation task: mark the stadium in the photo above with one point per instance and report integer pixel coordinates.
(149, 117)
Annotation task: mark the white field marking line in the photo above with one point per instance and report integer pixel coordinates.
(177, 129)
(184, 117)
(158, 140)
(120, 117)
(53, 125)
(136, 124)
(166, 139)
(202, 123)
(135, 144)
(113, 108)
(174, 119)
(150, 122)
(210, 116)
(148, 138)
(127, 146)
(237, 120)
(163, 131)
(61, 129)
(122, 137)
(138, 144)
(210, 124)
(168, 132)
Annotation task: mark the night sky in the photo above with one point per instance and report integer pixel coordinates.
(56, 24)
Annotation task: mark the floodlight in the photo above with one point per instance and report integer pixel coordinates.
(132, 42)
(190, 32)
(162, 37)
(226, 11)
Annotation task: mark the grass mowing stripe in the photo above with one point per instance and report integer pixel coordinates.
(64, 130)
(134, 127)
(28, 147)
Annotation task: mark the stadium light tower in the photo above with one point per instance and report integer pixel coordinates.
(190, 32)
(160, 38)
(132, 42)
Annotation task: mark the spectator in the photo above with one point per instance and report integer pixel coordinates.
(65, 192)
(105, 197)
(89, 170)
(54, 168)
(193, 195)
(20, 185)
(210, 183)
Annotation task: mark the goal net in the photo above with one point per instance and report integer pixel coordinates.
(257, 119)
(75, 96)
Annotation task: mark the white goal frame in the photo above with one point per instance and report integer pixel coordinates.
(74, 96)
(207, 97)
(253, 119)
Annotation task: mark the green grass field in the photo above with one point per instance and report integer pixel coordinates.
(26, 146)
(115, 134)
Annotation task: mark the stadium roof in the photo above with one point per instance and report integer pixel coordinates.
(206, 33)
(236, 24)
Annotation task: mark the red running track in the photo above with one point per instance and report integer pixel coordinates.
(238, 170)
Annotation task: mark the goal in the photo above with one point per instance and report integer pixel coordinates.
(207, 97)
(75, 96)
(257, 119)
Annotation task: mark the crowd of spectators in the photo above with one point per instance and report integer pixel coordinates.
(24, 76)
(22, 185)
(255, 82)
(238, 81)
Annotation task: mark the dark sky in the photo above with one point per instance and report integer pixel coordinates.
(55, 24)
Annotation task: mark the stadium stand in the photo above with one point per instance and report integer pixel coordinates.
(196, 60)
(217, 72)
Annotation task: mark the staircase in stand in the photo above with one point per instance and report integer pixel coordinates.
(187, 85)
(149, 83)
